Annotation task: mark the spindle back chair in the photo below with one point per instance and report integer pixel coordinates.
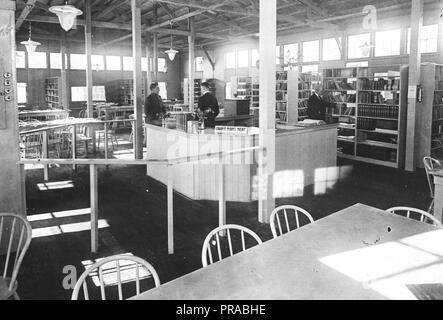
(416, 214)
(278, 228)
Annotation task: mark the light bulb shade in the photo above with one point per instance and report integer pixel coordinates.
(67, 15)
(30, 45)
(171, 54)
(365, 49)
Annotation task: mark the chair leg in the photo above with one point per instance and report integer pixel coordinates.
(431, 207)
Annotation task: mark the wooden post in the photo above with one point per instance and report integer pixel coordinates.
(45, 154)
(221, 193)
(170, 209)
(155, 44)
(65, 88)
(94, 207)
(191, 65)
(74, 144)
(148, 57)
(137, 76)
(88, 51)
(106, 137)
(414, 80)
(268, 42)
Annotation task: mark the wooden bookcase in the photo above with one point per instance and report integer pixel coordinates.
(53, 93)
(371, 112)
(122, 92)
(197, 91)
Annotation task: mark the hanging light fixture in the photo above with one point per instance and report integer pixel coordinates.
(171, 52)
(30, 44)
(67, 15)
(365, 49)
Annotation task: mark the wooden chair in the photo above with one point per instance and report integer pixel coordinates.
(213, 239)
(112, 271)
(15, 237)
(416, 214)
(431, 164)
(112, 136)
(290, 224)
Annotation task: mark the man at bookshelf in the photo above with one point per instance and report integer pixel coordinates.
(317, 105)
(208, 105)
(154, 105)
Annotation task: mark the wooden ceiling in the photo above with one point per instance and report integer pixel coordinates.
(216, 21)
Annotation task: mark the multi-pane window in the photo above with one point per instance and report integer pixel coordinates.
(144, 64)
(128, 63)
(163, 90)
(311, 51)
(230, 60)
(359, 46)
(428, 39)
(97, 62)
(198, 64)
(357, 64)
(290, 54)
(81, 93)
(387, 43)
(228, 90)
(21, 92)
(20, 59)
(255, 57)
(37, 60)
(331, 49)
(243, 58)
(55, 60)
(162, 67)
(310, 68)
(113, 63)
(78, 61)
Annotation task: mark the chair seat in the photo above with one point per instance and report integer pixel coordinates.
(5, 293)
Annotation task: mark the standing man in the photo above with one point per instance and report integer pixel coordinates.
(208, 105)
(154, 105)
(317, 106)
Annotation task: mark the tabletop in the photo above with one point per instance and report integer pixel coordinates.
(357, 253)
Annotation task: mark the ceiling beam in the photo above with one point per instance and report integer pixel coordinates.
(25, 12)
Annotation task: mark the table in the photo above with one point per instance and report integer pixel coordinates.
(358, 253)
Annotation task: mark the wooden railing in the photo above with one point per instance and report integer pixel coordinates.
(170, 163)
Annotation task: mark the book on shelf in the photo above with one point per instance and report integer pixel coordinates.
(390, 112)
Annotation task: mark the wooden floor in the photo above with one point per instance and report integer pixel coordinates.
(133, 210)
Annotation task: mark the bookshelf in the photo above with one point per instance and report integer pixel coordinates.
(197, 91)
(430, 117)
(371, 112)
(122, 92)
(255, 101)
(53, 93)
(306, 84)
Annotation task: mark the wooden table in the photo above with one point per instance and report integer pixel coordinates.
(357, 253)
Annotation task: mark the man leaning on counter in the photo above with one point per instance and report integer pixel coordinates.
(208, 105)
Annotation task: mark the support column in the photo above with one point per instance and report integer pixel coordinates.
(155, 46)
(149, 77)
(268, 42)
(11, 191)
(191, 65)
(137, 56)
(88, 51)
(414, 80)
(65, 88)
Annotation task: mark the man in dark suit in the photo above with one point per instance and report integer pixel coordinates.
(154, 105)
(208, 105)
(317, 106)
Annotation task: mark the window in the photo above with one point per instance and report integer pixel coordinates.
(359, 46)
(20, 59)
(37, 60)
(21, 92)
(163, 91)
(331, 50)
(162, 67)
(128, 63)
(55, 60)
(243, 58)
(428, 39)
(228, 90)
(310, 68)
(290, 54)
(277, 55)
(81, 93)
(255, 57)
(230, 60)
(357, 64)
(113, 63)
(78, 61)
(144, 64)
(311, 51)
(198, 64)
(387, 43)
(97, 62)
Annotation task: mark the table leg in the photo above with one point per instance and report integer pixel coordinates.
(170, 209)
(106, 140)
(93, 129)
(74, 145)
(94, 207)
(45, 154)
(221, 196)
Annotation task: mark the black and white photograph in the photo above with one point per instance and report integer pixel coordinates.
(221, 156)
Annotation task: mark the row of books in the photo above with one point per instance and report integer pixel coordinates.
(309, 77)
(304, 94)
(304, 86)
(366, 124)
(437, 112)
(281, 116)
(280, 106)
(380, 84)
(281, 96)
(282, 76)
(377, 153)
(339, 85)
(378, 97)
(281, 86)
(390, 112)
(339, 98)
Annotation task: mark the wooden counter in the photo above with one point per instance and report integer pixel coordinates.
(303, 157)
